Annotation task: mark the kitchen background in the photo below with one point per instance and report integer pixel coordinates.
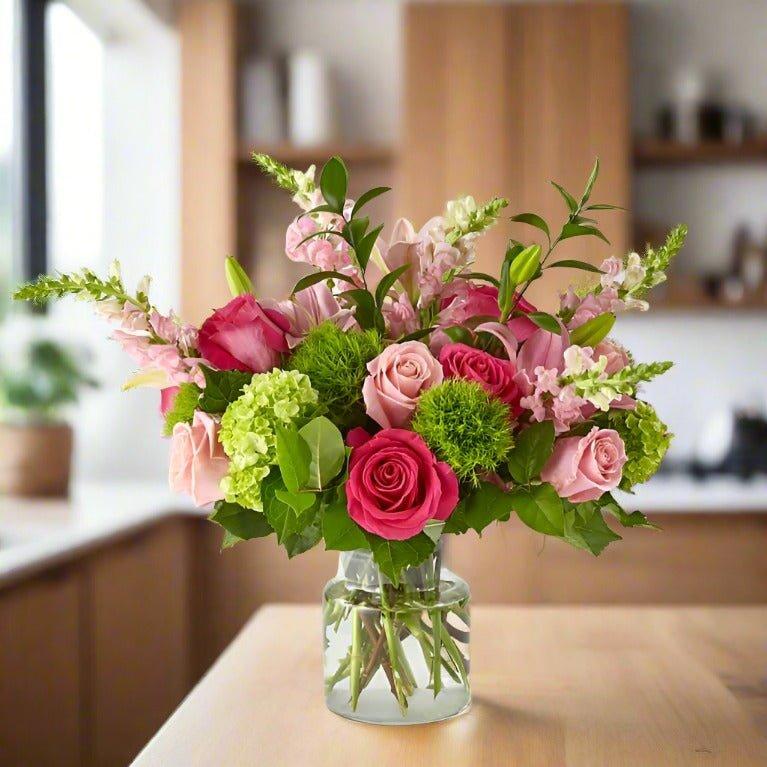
(129, 139)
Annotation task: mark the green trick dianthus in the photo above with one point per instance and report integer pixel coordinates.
(464, 426)
(336, 363)
(249, 427)
(646, 439)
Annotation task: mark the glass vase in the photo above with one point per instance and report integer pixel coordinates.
(396, 654)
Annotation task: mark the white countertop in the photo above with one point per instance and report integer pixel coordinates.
(675, 493)
(37, 533)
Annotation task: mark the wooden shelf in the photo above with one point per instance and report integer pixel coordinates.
(291, 154)
(691, 296)
(657, 152)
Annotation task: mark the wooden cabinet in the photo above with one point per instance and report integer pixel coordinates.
(138, 670)
(501, 97)
(41, 695)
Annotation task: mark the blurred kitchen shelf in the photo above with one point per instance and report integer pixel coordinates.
(371, 154)
(657, 152)
(693, 297)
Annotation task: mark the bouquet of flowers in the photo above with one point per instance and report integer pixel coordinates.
(398, 396)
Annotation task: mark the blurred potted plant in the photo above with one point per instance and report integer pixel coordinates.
(35, 440)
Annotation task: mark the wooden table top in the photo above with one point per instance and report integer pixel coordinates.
(552, 686)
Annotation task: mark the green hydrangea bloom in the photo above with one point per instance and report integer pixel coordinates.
(249, 425)
(336, 362)
(465, 427)
(646, 438)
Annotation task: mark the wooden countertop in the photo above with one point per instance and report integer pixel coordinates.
(553, 687)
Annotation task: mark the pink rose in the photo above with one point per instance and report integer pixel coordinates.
(543, 349)
(197, 460)
(396, 485)
(583, 468)
(495, 375)
(398, 377)
(244, 336)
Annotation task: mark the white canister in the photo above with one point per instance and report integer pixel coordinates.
(262, 103)
(310, 99)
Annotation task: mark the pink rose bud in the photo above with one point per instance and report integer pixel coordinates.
(583, 468)
(398, 377)
(197, 460)
(244, 336)
(396, 485)
(495, 375)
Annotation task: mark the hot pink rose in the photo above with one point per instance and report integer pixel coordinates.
(583, 468)
(495, 375)
(197, 460)
(244, 336)
(398, 377)
(396, 485)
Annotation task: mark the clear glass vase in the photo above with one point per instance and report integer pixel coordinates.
(396, 654)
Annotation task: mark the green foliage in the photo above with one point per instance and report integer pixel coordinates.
(240, 523)
(591, 332)
(186, 402)
(601, 389)
(336, 363)
(656, 262)
(540, 508)
(464, 426)
(238, 281)
(286, 178)
(633, 519)
(334, 181)
(47, 377)
(646, 438)
(585, 528)
(326, 451)
(478, 508)
(293, 458)
(249, 430)
(340, 531)
(392, 557)
(222, 387)
(533, 448)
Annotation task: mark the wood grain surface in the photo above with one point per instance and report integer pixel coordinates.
(553, 687)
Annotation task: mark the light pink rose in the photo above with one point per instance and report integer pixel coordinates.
(583, 468)
(197, 460)
(398, 377)
(396, 485)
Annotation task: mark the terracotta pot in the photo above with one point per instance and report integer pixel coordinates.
(35, 459)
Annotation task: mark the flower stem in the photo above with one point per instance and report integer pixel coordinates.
(355, 660)
(436, 660)
(388, 624)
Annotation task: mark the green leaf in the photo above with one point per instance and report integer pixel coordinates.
(364, 247)
(355, 230)
(590, 183)
(417, 335)
(366, 197)
(570, 201)
(488, 503)
(306, 539)
(222, 387)
(340, 531)
(319, 209)
(186, 402)
(240, 522)
(525, 265)
(481, 276)
(326, 449)
(571, 263)
(313, 279)
(285, 520)
(533, 219)
(593, 331)
(604, 206)
(545, 321)
(334, 181)
(238, 281)
(319, 233)
(366, 313)
(540, 508)
(590, 533)
(580, 230)
(634, 519)
(387, 281)
(392, 557)
(293, 458)
(507, 286)
(459, 334)
(299, 501)
(533, 448)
